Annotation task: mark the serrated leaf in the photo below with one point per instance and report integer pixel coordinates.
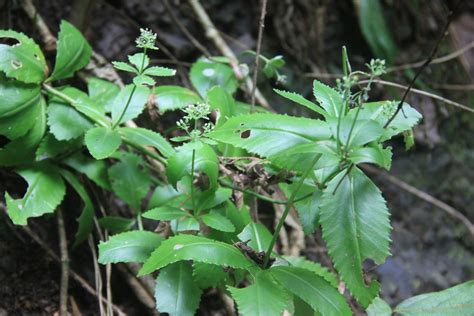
(184, 224)
(264, 297)
(315, 267)
(297, 98)
(95, 170)
(133, 246)
(163, 195)
(270, 134)
(24, 60)
(120, 65)
(455, 301)
(17, 96)
(65, 122)
(219, 99)
(102, 142)
(208, 275)
(312, 289)
(363, 131)
(144, 80)
(86, 219)
(374, 153)
(206, 74)
(129, 181)
(218, 222)
(146, 137)
(159, 71)
(168, 98)
(22, 150)
(180, 163)
(165, 213)
(73, 52)
(211, 198)
(102, 92)
(176, 293)
(50, 147)
(257, 236)
(329, 99)
(116, 224)
(356, 226)
(379, 307)
(45, 192)
(382, 111)
(135, 106)
(376, 32)
(139, 60)
(198, 249)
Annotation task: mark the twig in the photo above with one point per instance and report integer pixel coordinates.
(421, 92)
(425, 64)
(64, 264)
(97, 274)
(257, 53)
(185, 31)
(56, 258)
(47, 37)
(213, 34)
(424, 196)
(139, 289)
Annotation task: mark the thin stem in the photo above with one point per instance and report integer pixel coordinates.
(145, 151)
(139, 220)
(260, 196)
(288, 206)
(117, 122)
(192, 180)
(64, 265)
(259, 46)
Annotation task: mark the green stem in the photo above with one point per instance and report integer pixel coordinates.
(192, 181)
(288, 206)
(145, 151)
(260, 196)
(117, 122)
(139, 221)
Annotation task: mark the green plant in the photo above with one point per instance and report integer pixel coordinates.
(211, 240)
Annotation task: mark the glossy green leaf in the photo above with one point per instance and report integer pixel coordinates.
(73, 52)
(455, 301)
(136, 103)
(24, 60)
(146, 137)
(139, 60)
(25, 103)
(176, 293)
(383, 111)
(264, 297)
(185, 224)
(218, 222)
(116, 224)
(257, 236)
(328, 98)
(102, 92)
(379, 307)
(165, 213)
(133, 246)
(95, 170)
(270, 134)
(208, 275)
(120, 65)
(163, 195)
(45, 192)
(315, 267)
(363, 132)
(102, 142)
(22, 150)
(206, 74)
(312, 289)
(221, 101)
(374, 153)
(198, 249)
(356, 226)
(65, 122)
(180, 163)
(297, 98)
(168, 98)
(17, 96)
(129, 180)
(144, 80)
(86, 219)
(375, 30)
(212, 198)
(50, 147)
(156, 71)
